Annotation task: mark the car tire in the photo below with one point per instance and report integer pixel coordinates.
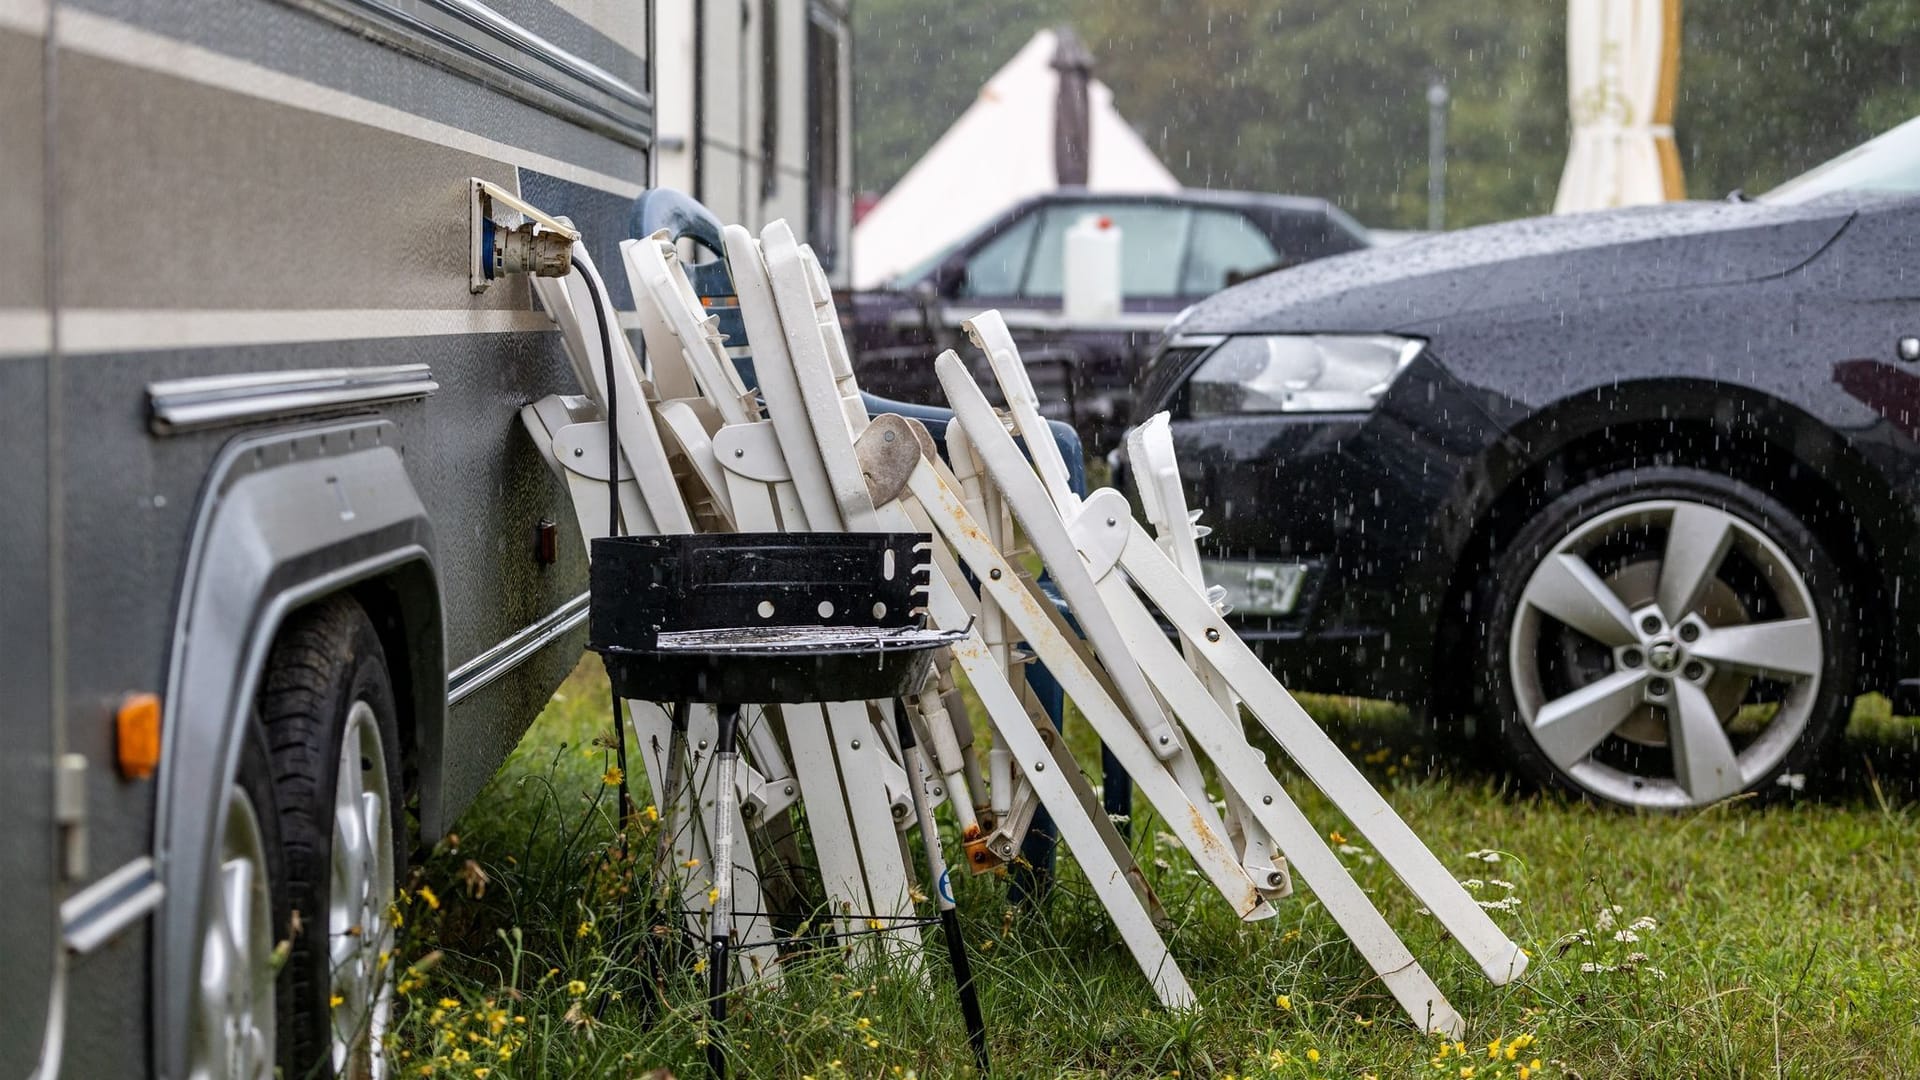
(327, 707)
(1664, 638)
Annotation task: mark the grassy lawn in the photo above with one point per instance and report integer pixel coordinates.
(1751, 942)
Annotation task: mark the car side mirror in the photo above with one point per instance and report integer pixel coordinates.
(948, 279)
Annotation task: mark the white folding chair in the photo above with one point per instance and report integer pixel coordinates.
(838, 750)
(573, 435)
(1123, 557)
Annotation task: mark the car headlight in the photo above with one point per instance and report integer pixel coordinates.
(1293, 373)
(1256, 588)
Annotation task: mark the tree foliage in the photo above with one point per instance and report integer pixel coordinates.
(1328, 97)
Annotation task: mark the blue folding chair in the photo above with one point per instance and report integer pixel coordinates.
(685, 218)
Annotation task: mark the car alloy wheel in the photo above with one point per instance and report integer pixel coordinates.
(234, 1016)
(361, 886)
(1666, 653)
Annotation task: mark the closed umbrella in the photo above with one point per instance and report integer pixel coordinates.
(1072, 119)
(1623, 67)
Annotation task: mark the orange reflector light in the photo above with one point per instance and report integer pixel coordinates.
(137, 726)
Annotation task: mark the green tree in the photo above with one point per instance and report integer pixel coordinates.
(1328, 97)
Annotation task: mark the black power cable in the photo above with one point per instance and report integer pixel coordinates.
(613, 517)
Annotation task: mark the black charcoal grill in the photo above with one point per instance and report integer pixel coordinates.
(763, 618)
(772, 618)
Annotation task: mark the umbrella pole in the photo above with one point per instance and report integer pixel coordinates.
(942, 889)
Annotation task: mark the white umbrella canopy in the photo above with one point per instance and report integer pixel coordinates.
(1000, 151)
(1623, 66)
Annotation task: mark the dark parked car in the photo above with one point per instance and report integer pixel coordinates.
(1634, 490)
(1176, 249)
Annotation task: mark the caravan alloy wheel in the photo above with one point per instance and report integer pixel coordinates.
(234, 1016)
(1661, 648)
(359, 933)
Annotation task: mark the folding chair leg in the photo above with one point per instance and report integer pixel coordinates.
(861, 760)
(1077, 828)
(834, 846)
(1317, 756)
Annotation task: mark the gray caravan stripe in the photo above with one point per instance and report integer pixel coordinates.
(313, 211)
(22, 178)
(298, 43)
(124, 43)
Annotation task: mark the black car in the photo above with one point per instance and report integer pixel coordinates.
(1176, 249)
(1633, 493)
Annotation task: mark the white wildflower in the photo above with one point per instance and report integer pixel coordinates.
(1644, 924)
(1627, 936)
(1485, 855)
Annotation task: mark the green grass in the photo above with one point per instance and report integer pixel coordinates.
(1784, 942)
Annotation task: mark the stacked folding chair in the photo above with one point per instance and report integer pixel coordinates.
(701, 451)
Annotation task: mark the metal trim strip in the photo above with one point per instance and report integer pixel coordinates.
(486, 45)
(98, 913)
(179, 405)
(491, 664)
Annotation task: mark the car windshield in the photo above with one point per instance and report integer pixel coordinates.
(1889, 163)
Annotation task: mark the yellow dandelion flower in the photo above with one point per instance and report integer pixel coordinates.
(1313, 1055)
(863, 1023)
(1335, 837)
(1284, 1001)
(448, 1003)
(1466, 1072)
(700, 965)
(462, 1056)
(1525, 1072)
(690, 864)
(613, 776)
(585, 929)
(482, 1073)
(873, 1044)
(576, 987)
(1534, 1064)
(713, 895)
(426, 894)
(1493, 1049)
(336, 1001)
(652, 812)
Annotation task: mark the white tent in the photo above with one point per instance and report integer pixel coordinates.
(999, 151)
(1623, 64)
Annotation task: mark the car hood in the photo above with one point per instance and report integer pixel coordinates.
(1533, 262)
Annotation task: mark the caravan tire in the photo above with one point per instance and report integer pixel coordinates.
(327, 706)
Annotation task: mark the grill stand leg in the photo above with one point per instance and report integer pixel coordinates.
(720, 928)
(942, 890)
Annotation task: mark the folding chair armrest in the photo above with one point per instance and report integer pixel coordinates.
(935, 419)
